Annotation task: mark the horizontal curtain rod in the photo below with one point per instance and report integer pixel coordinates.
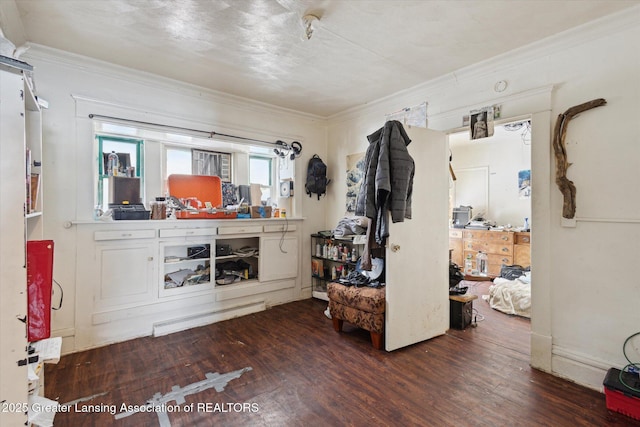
(210, 134)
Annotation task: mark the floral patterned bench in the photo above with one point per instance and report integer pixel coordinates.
(360, 306)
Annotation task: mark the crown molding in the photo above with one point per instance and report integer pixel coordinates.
(143, 78)
(599, 28)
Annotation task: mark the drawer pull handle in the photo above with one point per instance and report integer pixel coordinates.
(505, 260)
(127, 234)
(505, 249)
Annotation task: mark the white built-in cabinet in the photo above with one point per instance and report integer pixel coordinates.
(20, 133)
(279, 264)
(127, 270)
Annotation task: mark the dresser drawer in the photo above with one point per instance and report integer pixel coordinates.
(489, 236)
(455, 234)
(498, 260)
(523, 238)
(487, 247)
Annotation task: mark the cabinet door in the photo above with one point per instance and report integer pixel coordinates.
(13, 302)
(278, 258)
(417, 256)
(125, 275)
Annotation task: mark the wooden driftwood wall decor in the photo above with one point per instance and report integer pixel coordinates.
(566, 186)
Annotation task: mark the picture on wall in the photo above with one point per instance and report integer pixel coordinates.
(524, 184)
(355, 174)
(481, 123)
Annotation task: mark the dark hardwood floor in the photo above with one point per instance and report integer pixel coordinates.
(304, 373)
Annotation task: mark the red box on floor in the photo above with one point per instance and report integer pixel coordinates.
(619, 397)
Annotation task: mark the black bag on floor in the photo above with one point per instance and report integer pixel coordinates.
(512, 272)
(455, 275)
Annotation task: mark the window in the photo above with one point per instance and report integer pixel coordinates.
(212, 163)
(261, 172)
(130, 162)
(187, 161)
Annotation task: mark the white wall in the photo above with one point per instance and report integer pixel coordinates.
(76, 86)
(584, 298)
(503, 155)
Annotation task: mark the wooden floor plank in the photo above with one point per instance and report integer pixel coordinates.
(304, 373)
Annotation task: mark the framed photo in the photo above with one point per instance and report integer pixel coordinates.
(481, 123)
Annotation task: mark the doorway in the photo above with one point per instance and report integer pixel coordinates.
(492, 176)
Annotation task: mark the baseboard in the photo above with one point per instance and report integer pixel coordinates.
(579, 368)
(201, 319)
(541, 351)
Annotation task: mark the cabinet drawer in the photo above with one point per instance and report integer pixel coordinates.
(489, 248)
(493, 259)
(187, 232)
(523, 238)
(499, 260)
(240, 229)
(279, 228)
(124, 235)
(455, 234)
(489, 236)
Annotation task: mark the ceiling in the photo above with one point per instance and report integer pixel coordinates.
(360, 51)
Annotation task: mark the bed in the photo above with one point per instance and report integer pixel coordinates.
(511, 296)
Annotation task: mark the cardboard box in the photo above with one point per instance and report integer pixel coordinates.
(260, 211)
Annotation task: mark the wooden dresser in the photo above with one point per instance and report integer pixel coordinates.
(501, 247)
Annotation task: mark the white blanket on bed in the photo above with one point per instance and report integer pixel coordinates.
(511, 296)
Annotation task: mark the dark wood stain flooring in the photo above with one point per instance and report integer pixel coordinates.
(304, 373)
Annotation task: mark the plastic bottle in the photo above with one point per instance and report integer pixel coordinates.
(468, 264)
(354, 254)
(318, 250)
(526, 225)
(482, 262)
(113, 163)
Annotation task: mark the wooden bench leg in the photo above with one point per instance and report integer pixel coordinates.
(337, 324)
(376, 340)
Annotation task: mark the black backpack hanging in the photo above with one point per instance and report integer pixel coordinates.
(316, 177)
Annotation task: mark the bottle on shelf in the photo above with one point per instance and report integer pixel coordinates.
(113, 164)
(482, 262)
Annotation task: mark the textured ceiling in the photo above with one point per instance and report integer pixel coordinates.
(361, 50)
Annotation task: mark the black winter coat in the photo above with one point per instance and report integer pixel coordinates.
(388, 181)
